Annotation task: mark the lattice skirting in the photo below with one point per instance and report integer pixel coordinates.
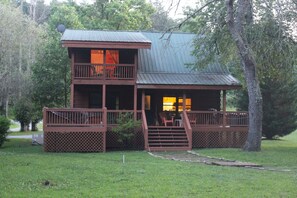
(219, 139)
(112, 142)
(73, 141)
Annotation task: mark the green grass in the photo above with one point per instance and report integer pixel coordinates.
(24, 133)
(24, 169)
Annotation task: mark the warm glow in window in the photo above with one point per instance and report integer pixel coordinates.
(97, 56)
(169, 104)
(112, 57)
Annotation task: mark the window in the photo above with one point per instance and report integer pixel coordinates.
(147, 102)
(169, 104)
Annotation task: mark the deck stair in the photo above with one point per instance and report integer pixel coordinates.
(170, 138)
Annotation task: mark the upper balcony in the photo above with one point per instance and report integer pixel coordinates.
(88, 71)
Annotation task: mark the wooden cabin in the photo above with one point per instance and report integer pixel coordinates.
(145, 74)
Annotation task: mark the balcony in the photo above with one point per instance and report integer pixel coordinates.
(87, 71)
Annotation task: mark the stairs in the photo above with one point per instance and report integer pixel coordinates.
(170, 138)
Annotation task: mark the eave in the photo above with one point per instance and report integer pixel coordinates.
(106, 45)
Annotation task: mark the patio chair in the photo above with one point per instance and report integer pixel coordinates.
(164, 119)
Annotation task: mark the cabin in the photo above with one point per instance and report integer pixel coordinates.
(145, 75)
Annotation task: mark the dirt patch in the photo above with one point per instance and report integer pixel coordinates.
(191, 156)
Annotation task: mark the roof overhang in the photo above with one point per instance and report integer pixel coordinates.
(189, 87)
(106, 45)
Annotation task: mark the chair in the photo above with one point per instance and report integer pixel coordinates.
(192, 118)
(164, 119)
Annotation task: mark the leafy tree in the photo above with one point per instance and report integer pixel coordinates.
(259, 45)
(23, 113)
(117, 15)
(4, 126)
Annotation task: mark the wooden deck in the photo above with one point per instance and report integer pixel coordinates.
(90, 130)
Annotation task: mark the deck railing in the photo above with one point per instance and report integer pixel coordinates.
(73, 117)
(188, 128)
(114, 115)
(104, 71)
(216, 118)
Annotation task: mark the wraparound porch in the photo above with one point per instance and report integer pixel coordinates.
(90, 130)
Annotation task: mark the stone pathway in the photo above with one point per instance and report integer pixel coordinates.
(193, 157)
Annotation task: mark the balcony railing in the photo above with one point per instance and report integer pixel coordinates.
(104, 71)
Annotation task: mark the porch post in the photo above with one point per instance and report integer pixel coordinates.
(224, 107)
(135, 102)
(143, 100)
(184, 101)
(103, 96)
(72, 78)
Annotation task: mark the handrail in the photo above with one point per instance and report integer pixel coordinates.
(145, 130)
(188, 128)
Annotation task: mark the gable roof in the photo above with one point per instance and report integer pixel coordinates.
(166, 64)
(104, 39)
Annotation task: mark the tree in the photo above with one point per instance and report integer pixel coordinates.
(117, 15)
(221, 40)
(4, 127)
(23, 113)
(19, 37)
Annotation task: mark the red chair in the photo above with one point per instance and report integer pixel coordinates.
(164, 119)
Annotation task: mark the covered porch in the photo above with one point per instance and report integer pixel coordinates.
(90, 130)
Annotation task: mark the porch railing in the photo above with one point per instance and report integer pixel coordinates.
(145, 130)
(114, 115)
(188, 128)
(217, 118)
(104, 71)
(76, 117)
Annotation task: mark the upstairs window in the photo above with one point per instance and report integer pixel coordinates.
(111, 56)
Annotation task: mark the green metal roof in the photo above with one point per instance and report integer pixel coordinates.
(104, 36)
(166, 63)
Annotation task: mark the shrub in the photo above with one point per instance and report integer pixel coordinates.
(4, 126)
(126, 128)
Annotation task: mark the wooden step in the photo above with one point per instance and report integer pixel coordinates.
(169, 148)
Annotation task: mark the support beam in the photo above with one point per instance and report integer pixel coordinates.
(103, 96)
(224, 107)
(135, 102)
(184, 101)
(72, 84)
(143, 100)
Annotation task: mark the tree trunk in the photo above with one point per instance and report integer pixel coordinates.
(236, 28)
(34, 126)
(22, 126)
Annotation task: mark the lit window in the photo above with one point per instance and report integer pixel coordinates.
(169, 104)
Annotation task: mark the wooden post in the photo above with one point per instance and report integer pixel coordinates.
(143, 100)
(135, 102)
(184, 101)
(72, 79)
(103, 96)
(224, 107)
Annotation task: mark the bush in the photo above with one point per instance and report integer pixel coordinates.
(126, 128)
(4, 126)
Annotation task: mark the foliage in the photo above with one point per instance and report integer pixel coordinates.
(116, 15)
(19, 40)
(23, 112)
(145, 176)
(274, 49)
(4, 126)
(126, 128)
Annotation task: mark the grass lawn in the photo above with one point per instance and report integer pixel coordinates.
(25, 168)
(24, 133)
(14, 125)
